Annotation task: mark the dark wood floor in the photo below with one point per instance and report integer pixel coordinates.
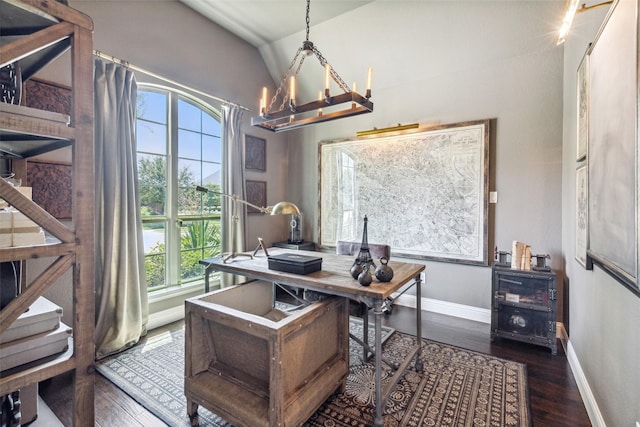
(555, 400)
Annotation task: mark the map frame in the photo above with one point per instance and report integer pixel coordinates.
(425, 193)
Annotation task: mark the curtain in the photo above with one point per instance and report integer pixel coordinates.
(121, 294)
(232, 183)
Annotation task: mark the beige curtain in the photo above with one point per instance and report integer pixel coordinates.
(121, 294)
(232, 183)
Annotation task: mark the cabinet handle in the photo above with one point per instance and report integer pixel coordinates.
(511, 281)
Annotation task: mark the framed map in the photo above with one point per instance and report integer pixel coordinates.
(612, 153)
(425, 194)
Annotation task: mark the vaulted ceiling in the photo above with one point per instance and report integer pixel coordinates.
(261, 22)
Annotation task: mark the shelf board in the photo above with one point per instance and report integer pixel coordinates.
(36, 371)
(17, 253)
(27, 132)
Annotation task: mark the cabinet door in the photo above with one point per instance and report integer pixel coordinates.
(524, 290)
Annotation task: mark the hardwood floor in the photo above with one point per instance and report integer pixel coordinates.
(554, 396)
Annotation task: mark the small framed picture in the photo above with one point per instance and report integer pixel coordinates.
(255, 153)
(583, 109)
(256, 195)
(582, 220)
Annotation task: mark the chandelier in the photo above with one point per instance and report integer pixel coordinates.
(291, 115)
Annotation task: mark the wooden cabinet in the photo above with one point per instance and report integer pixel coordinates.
(524, 306)
(34, 32)
(256, 366)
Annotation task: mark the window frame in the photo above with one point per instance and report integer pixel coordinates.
(174, 284)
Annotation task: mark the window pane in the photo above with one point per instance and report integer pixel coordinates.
(189, 201)
(152, 183)
(211, 174)
(154, 237)
(189, 145)
(199, 239)
(190, 172)
(151, 137)
(188, 116)
(152, 106)
(211, 201)
(155, 270)
(210, 125)
(211, 149)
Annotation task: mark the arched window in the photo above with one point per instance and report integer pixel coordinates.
(179, 146)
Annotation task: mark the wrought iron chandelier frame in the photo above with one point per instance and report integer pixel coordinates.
(289, 115)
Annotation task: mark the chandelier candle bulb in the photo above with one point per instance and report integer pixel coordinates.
(368, 94)
(326, 76)
(263, 102)
(293, 92)
(320, 99)
(353, 90)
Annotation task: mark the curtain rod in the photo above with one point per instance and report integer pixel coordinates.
(157, 76)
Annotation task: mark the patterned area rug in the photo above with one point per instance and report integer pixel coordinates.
(456, 388)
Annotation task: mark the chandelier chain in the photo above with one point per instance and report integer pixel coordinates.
(332, 71)
(323, 61)
(308, 20)
(284, 79)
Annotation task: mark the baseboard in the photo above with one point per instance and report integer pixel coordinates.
(583, 386)
(165, 317)
(477, 314)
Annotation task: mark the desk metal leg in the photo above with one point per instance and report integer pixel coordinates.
(418, 364)
(377, 311)
(207, 273)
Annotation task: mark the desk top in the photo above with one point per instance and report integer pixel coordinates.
(334, 278)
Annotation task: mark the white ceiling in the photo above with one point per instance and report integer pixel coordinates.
(261, 22)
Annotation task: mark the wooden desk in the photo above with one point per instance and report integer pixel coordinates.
(335, 279)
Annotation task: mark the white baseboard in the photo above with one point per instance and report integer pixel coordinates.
(583, 386)
(482, 315)
(165, 317)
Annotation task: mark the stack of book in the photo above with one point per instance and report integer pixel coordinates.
(520, 256)
(36, 334)
(16, 229)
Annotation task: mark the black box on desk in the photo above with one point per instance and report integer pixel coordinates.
(294, 263)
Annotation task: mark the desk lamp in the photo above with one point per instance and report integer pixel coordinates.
(280, 208)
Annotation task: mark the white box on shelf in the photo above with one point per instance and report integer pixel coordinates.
(42, 316)
(29, 349)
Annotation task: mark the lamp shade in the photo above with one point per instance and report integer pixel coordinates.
(285, 208)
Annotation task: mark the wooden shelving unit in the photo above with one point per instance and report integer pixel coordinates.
(36, 32)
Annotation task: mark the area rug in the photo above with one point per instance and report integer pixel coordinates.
(457, 387)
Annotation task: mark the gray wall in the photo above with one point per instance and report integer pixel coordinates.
(460, 61)
(604, 316)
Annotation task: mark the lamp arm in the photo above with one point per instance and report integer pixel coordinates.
(235, 198)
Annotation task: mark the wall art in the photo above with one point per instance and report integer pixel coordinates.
(581, 215)
(51, 186)
(613, 146)
(256, 194)
(582, 109)
(425, 194)
(47, 96)
(255, 153)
